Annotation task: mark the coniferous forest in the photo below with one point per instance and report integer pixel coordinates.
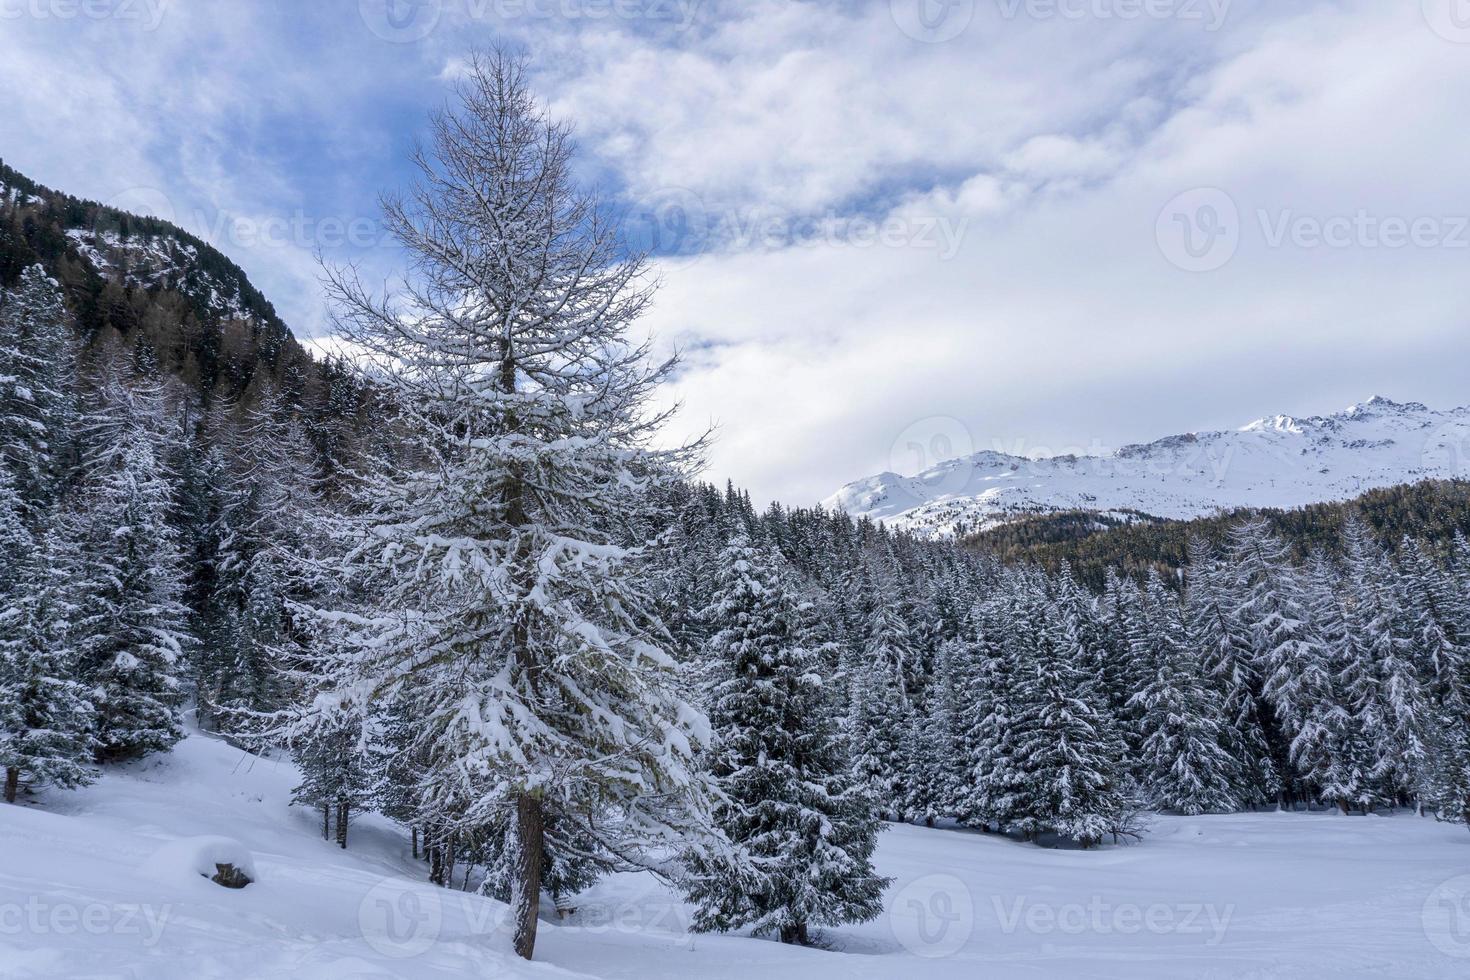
(463, 583)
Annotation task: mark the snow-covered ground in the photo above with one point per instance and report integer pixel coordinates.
(104, 883)
(1273, 462)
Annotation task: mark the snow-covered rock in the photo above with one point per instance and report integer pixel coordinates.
(190, 857)
(1279, 461)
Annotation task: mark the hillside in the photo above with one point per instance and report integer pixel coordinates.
(1433, 511)
(1279, 462)
(175, 300)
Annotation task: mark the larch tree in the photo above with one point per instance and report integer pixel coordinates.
(517, 612)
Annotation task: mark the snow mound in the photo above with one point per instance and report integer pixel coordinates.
(190, 857)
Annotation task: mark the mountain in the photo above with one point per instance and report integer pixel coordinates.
(171, 297)
(1277, 462)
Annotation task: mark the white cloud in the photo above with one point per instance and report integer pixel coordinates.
(1053, 143)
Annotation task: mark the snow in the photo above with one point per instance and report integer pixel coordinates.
(188, 858)
(103, 882)
(1274, 462)
(153, 261)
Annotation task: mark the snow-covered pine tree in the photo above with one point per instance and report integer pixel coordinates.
(517, 614)
(1390, 696)
(1435, 617)
(36, 367)
(1068, 753)
(999, 654)
(1184, 765)
(132, 628)
(1333, 752)
(46, 716)
(803, 830)
(876, 724)
(270, 518)
(1295, 675)
(1226, 653)
(331, 741)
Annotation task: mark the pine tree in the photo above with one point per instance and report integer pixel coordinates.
(132, 630)
(331, 743)
(46, 718)
(35, 383)
(1296, 678)
(804, 832)
(994, 702)
(1187, 769)
(1068, 754)
(1226, 653)
(517, 612)
(1390, 700)
(1335, 754)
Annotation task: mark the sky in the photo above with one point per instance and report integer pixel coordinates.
(888, 232)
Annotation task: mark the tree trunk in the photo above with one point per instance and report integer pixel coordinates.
(414, 832)
(326, 821)
(795, 935)
(436, 862)
(343, 808)
(530, 829)
(12, 783)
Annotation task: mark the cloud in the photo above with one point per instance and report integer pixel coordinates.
(974, 229)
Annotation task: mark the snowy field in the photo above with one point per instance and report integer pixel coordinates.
(99, 883)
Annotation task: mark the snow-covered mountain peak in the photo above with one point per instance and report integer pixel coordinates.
(1276, 461)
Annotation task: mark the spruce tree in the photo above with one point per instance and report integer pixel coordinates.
(46, 717)
(1068, 753)
(133, 629)
(35, 389)
(803, 829)
(1185, 765)
(1226, 654)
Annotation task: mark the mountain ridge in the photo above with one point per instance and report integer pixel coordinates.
(1279, 461)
